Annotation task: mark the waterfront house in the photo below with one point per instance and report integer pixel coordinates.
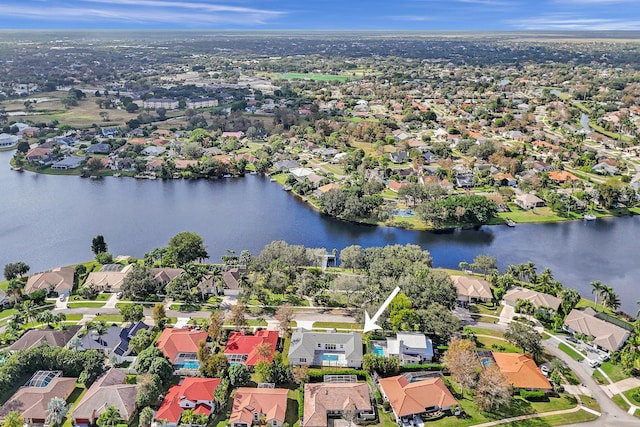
(264, 406)
(67, 163)
(109, 278)
(602, 334)
(7, 140)
(327, 401)
(412, 397)
(471, 289)
(538, 299)
(110, 389)
(49, 337)
(59, 280)
(528, 201)
(243, 348)
(181, 346)
(325, 349)
(32, 399)
(191, 393)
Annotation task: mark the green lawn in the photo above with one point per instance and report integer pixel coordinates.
(86, 304)
(486, 308)
(337, 325)
(109, 317)
(483, 331)
(590, 402)
(555, 420)
(493, 343)
(544, 214)
(311, 76)
(615, 372)
(571, 352)
(600, 379)
(629, 395)
(291, 416)
(74, 398)
(618, 400)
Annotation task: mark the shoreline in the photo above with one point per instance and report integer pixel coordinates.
(396, 222)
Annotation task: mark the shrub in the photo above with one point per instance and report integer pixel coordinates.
(422, 367)
(533, 396)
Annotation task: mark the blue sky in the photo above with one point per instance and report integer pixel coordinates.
(492, 15)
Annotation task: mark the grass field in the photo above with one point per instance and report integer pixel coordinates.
(109, 318)
(629, 395)
(614, 372)
(574, 355)
(311, 76)
(618, 400)
(86, 304)
(337, 325)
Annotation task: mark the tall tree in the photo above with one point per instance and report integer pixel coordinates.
(216, 322)
(159, 315)
(570, 298)
(15, 269)
(132, 312)
(13, 419)
(596, 288)
(186, 247)
(140, 283)
(284, 315)
(56, 411)
(109, 418)
(492, 390)
(463, 363)
(525, 337)
(610, 299)
(98, 245)
(146, 417)
(237, 317)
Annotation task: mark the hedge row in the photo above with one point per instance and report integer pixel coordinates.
(533, 396)
(422, 367)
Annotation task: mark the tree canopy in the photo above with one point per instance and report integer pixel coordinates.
(186, 247)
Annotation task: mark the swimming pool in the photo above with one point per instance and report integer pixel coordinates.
(378, 350)
(404, 212)
(328, 357)
(486, 362)
(189, 364)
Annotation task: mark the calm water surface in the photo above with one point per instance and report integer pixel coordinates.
(48, 221)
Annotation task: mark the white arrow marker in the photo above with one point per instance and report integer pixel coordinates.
(370, 322)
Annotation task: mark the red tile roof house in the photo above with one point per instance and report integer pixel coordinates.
(253, 405)
(109, 390)
(181, 346)
(32, 399)
(58, 280)
(243, 349)
(192, 393)
(414, 399)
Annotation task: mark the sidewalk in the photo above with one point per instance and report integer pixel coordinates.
(618, 388)
(544, 414)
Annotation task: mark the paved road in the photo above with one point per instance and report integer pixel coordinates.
(612, 414)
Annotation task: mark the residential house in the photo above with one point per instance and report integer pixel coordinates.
(67, 163)
(110, 389)
(153, 103)
(181, 346)
(538, 299)
(114, 342)
(153, 151)
(191, 393)
(323, 401)
(202, 103)
(7, 140)
(521, 371)
(264, 406)
(39, 154)
(471, 289)
(603, 335)
(395, 186)
(301, 173)
(409, 347)
(109, 278)
(411, 399)
(236, 135)
(101, 148)
(399, 157)
(563, 176)
(464, 180)
(32, 399)
(605, 169)
(282, 165)
(49, 337)
(325, 188)
(231, 281)
(505, 179)
(59, 280)
(325, 349)
(528, 201)
(243, 348)
(164, 275)
(4, 299)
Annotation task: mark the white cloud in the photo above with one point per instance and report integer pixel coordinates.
(570, 22)
(138, 11)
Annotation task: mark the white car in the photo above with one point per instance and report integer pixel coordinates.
(119, 295)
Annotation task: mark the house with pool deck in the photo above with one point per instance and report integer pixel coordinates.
(337, 349)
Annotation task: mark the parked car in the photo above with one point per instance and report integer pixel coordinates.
(572, 339)
(119, 295)
(593, 363)
(63, 297)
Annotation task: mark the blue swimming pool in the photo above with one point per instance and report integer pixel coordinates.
(328, 357)
(378, 350)
(404, 212)
(485, 362)
(189, 364)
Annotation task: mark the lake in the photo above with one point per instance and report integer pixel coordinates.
(49, 221)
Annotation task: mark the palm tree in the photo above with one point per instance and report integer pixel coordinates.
(45, 317)
(530, 271)
(513, 270)
(13, 419)
(146, 417)
(27, 308)
(610, 299)
(596, 288)
(56, 411)
(110, 417)
(99, 328)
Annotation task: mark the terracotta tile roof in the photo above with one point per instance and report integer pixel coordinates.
(173, 341)
(408, 398)
(396, 186)
(521, 370)
(327, 187)
(192, 390)
(269, 401)
(562, 176)
(241, 344)
(319, 398)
